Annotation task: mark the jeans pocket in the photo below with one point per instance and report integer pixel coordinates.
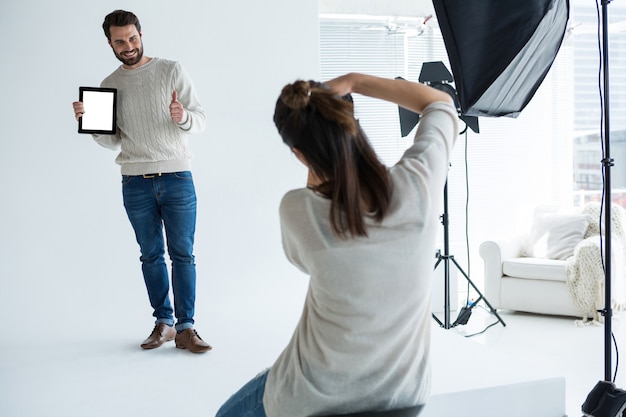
(183, 175)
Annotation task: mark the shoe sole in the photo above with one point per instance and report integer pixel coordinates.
(156, 346)
(194, 351)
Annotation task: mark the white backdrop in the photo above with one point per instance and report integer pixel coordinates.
(67, 251)
(68, 257)
(69, 264)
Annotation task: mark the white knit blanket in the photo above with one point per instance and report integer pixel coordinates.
(585, 269)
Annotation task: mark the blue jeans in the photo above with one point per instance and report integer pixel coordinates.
(248, 401)
(153, 203)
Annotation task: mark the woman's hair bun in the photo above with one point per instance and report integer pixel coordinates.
(296, 95)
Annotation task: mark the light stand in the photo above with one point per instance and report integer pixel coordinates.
(606, 400)
(436, 75)
(607, 163)
(446, 258)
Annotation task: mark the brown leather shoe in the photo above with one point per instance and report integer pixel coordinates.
(189, 339)
(162, 333)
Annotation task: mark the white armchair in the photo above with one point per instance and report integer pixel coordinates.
(556, 269)
(516, 282)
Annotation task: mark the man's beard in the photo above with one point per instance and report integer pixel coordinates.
(130, 61)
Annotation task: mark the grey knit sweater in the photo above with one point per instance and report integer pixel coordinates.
(148, 139)
(363, 339)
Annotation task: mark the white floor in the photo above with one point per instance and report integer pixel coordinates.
(555, 344)
(54, 367)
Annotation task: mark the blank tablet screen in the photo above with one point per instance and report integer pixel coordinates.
(100, 110)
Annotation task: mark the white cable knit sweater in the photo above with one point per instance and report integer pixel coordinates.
(150, 141)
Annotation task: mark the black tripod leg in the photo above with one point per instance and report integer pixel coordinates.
(437, 320)
(481, 296)
(446, 323)
(446, 258)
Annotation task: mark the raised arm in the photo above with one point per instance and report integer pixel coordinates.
(187, 112)
(410, 95)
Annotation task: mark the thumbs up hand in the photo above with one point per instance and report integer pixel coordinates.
(177, 112)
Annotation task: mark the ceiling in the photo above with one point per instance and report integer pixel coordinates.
(407, 8)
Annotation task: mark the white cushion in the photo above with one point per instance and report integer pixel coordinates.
(554, 236)
(535, 268)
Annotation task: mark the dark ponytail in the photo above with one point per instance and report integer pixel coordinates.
(321, 125)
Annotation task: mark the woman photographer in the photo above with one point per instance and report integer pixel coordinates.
(365, 234)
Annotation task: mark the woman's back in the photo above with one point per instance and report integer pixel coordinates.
(363, 339)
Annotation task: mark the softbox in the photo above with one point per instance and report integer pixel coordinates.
(500, 51)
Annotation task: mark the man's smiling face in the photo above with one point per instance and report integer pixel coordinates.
(127, 45)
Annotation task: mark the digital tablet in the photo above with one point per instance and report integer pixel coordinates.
(100, 110)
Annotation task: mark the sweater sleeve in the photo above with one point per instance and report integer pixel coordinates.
(434, 140)
(290, 216)
(183, 85)
(108, 141)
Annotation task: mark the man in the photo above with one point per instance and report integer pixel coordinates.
(157, 107)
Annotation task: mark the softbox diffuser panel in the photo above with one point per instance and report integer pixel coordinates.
(500, 51)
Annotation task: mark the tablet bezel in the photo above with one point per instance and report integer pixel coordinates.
(105, 130)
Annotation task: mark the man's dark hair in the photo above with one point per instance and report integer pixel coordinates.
(119, 18)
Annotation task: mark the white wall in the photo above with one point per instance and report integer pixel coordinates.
(67, 252)
(510, 174)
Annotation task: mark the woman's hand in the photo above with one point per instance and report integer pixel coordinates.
(342, 85)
